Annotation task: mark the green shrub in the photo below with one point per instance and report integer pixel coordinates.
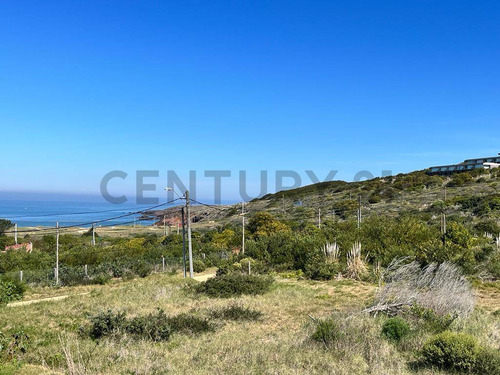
(141, 268)
(234, 284)
(224, 269)
(317, 268)
(431, 321)
(11, 290)
(101, 279)
(127, 275)
(395, 328)
(460, 179)
(236, 312)
(451, 351)
(493, 265)
(189, 324)
(69, 276)
(374, 198)
(488, 362)
(199, 265)
(106, 323)
(154, 327)
(327, 332)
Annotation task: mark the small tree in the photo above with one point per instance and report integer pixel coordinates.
(5, 225)
(265, 224)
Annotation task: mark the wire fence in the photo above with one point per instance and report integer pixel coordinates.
(95, 274)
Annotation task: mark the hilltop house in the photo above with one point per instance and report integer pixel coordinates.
(28, 247)
(467, 165)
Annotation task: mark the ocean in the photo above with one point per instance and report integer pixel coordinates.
(31, 213)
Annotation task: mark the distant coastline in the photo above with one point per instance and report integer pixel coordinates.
(46, 213)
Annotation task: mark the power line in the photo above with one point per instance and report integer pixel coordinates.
(62, 214)
(95, 221)
(77, 229)
(208, 205)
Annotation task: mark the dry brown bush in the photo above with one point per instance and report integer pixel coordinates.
(442, 288)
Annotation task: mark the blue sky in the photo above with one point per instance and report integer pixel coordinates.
(93, 86)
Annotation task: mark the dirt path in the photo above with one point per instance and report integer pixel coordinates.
(57, 298)
(204, 277)
(200, 278)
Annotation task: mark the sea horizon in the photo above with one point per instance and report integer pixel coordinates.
(46, 210)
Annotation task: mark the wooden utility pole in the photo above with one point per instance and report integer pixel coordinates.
(190, 245)
(359, 211)
(15, 232)
(183, 243)
(443, 215)
(443, 219)
(57, 253)
(243, 233)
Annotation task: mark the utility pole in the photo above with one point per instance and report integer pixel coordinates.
(57, 253)
(359, 211)
(183, 242)
(93, 234)
(243, 233)
(443, 218)
(190, 245)
(319, 218)
(15, 232)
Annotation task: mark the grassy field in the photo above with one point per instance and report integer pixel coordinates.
(278, 343)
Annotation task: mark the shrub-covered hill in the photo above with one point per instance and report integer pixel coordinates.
(469, 196)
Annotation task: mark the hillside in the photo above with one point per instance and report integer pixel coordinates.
(471, 195)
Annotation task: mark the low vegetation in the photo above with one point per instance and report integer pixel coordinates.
(235, 284)
(155, 326)
(460, 352)
(395, 329)
(236, 312)
(11, 290)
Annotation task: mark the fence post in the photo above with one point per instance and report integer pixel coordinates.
(21, 275)
(163, 263)
(203, 255)
(249, 267)
(86, 271)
